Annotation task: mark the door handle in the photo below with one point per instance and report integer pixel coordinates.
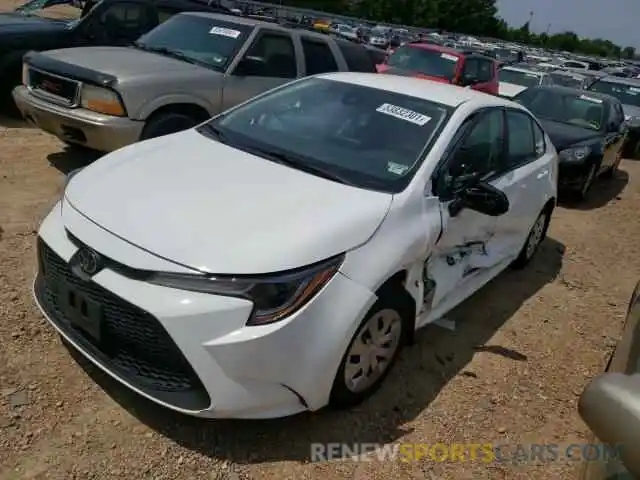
(543, 174)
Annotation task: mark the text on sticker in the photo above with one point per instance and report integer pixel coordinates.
(225, 32)
(451, 58)
(403, 114)
(590, 99)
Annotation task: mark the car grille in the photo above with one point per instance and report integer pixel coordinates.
(133, 344)
(57, 89)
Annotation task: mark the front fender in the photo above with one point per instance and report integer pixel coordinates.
(145, 110)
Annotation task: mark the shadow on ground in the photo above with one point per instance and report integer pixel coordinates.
(13, 121)
(603, 191)
(72, 157)
(437, 357)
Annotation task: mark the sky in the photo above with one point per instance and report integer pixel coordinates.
(615, 20)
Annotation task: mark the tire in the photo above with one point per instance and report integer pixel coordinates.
(583, 193)
(611, 172)
(536, 235)
(390, 312)
(166, 124)
(630, 148)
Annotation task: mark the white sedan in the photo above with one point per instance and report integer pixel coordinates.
(276, 258)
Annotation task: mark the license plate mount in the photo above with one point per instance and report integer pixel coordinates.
(81, 311)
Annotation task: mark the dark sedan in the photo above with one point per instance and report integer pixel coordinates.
(627, 90)
(587, 128)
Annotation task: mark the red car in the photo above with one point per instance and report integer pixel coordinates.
(443, 64)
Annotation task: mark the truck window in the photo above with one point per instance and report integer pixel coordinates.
(277, 52)
(125, 20)
(165, 14)
(318, 57)
(357, 58)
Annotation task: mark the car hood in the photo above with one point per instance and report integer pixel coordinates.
(409, 73)
(211, 207)
(563, 135)
(509, 90)
(122, 62)
(16, 23)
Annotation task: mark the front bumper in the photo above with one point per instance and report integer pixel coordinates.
(77, 125)
(226, 370)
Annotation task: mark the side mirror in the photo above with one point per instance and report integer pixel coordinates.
(251, 66)
(610, 406)
(480, 197)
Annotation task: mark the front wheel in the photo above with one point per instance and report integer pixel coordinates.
(534, 239)
(166, 124)
(372, 352)
(583, 193)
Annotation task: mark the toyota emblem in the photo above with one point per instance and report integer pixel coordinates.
(90, 261)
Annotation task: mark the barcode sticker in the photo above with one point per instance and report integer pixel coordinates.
(403, 114)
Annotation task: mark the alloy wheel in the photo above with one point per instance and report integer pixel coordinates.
(586, 186)
(536, 235)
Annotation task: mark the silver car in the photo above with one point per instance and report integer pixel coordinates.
(193, 66)
(610, 405)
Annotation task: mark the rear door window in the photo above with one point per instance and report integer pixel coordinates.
(318, 57)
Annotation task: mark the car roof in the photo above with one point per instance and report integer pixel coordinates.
(435, 47)
(566, 73)
(634, 82)
(577, 91)
(524, 70)
(450, 95)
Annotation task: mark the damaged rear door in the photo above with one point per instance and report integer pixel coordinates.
(469, 245)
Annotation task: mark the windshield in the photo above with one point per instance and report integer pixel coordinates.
(367, 137)
(422, 60)
(62, 10)
(564, 107)
(627, 94)
(202, 40)
(525, 79)
(566, 80)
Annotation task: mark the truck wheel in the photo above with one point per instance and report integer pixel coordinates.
(167, 123)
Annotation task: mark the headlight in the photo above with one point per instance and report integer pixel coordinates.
(576, 153)
(274, 296)
(102, 100)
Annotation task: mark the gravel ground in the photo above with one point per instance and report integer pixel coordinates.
(524, 347)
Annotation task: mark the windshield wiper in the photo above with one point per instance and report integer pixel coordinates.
(169, 53)
(214, 131)
(300, 163)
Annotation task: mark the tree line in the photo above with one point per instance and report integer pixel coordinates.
(472, 17)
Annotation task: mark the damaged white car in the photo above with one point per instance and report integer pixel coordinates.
(276, 258)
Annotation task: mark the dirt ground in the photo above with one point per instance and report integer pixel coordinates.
(511, 373)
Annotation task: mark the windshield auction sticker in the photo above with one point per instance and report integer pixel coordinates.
(590, 99)
(225, 32)
(403, 114)
(451, 58)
